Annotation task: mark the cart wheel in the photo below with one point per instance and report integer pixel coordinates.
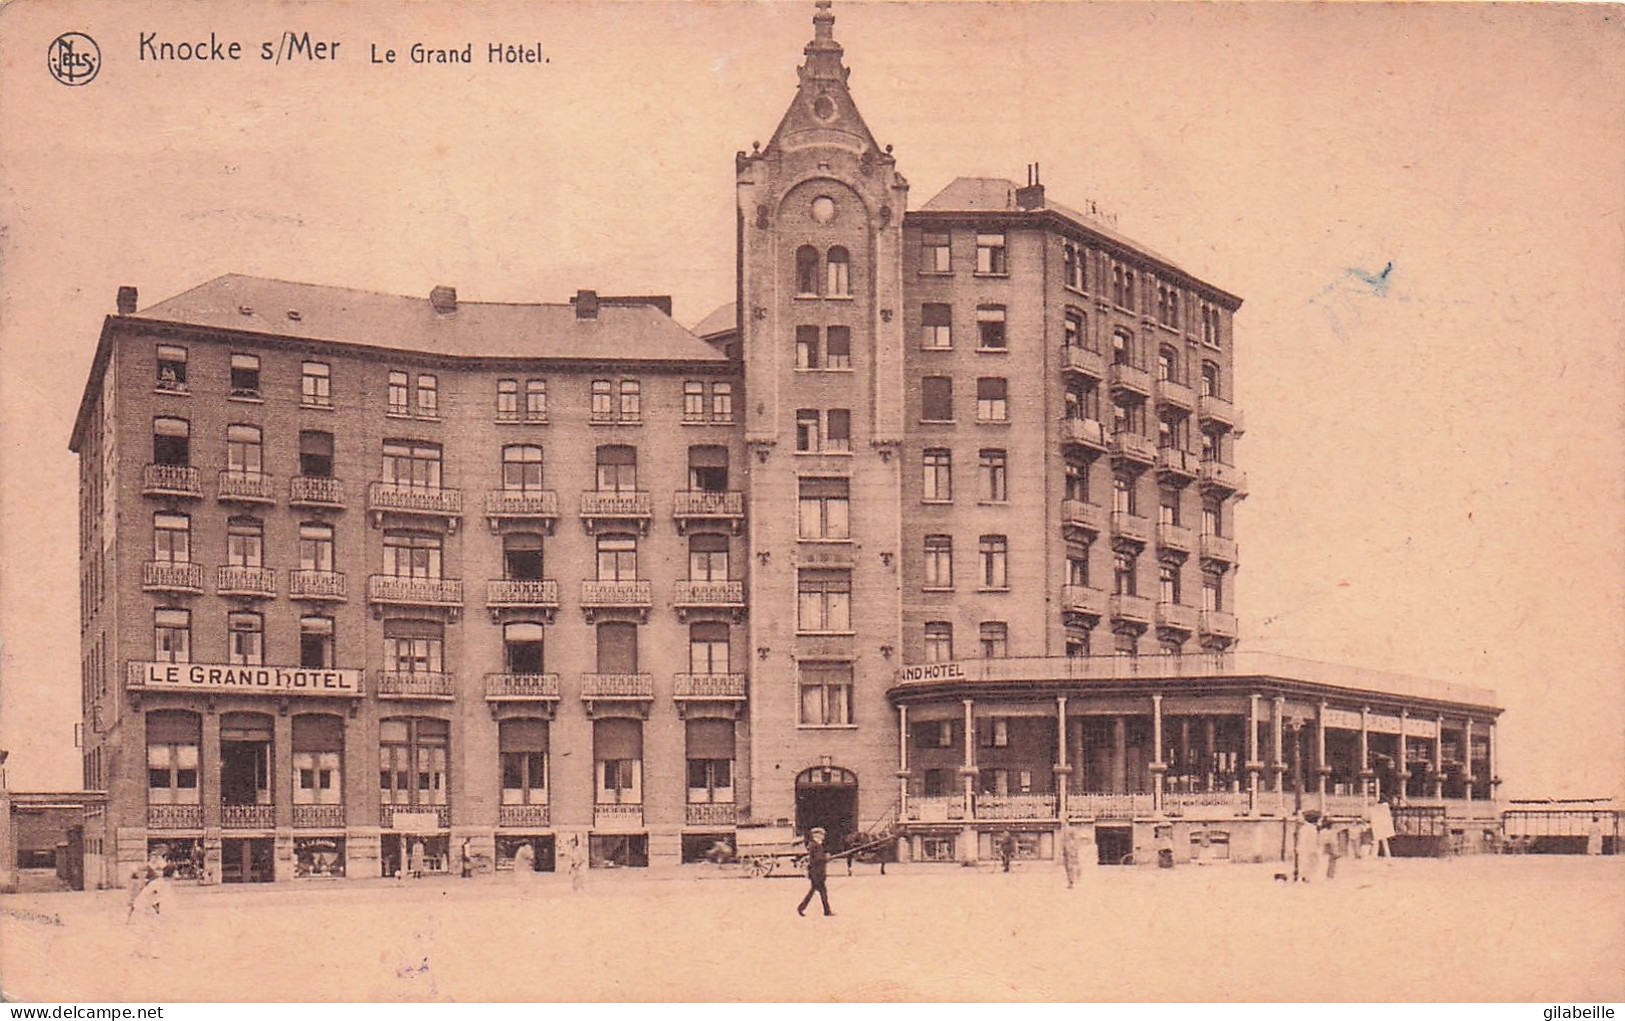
(758, 868)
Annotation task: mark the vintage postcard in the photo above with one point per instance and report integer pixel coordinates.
(811, 501)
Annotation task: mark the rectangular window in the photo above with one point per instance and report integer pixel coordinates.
(315, 454)
(809, 432)
(428, 396)
(722, 402)
(708, 648)
(995, 641)
(171, 538)
(631, 401)
(1124, 498)
(937, 466)
(1168, 505)
(826, 694)
(1168, 582)
(1212, 591)
(617, 469)
(507, 400)
(693, 401)
(990, 255)
(245, 375)
(995, 558)
(244, 452)
(603, 401)
(172, 635)
(824, 601)
(838, 352)
(939, 643)
(411, 465)
(522, 468)
(1212, 521)
(936, 326)
(414, 555)
(415, 653)
(995, 476)
(838, 430)
(315, 546)
(397, 393)
(825, 509)
(937, 399)
(535, 400)
(939, 562)
(935, 252)
(710, 754)
(807, 348)
(245, 542)
(1077, 566)
(316, 385)
(246, 639)
(990, 328)
(172, 368)
(992, 399)
(617, 558)
(1125, 574)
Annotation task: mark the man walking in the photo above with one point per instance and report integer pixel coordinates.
(817, 871)
(1069, 853)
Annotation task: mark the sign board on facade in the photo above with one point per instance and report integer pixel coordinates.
(1415, 727)
(415, 822)
(932, 672)
(1378, 724)
(244, 680)
(1341, 719)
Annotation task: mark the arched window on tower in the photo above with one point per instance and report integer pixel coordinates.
(806, 270)
(840, 274)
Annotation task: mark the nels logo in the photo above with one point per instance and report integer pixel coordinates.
(74, 58)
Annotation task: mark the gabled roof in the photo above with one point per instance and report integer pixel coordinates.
(630, 332)
(722, 321)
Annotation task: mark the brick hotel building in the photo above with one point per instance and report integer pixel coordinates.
(932, 529)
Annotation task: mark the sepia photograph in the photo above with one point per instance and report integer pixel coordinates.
(816, 501)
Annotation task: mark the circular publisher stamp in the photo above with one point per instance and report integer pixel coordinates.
(74, 58)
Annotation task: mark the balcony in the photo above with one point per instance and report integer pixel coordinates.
(1015, 806)
(317, 586)
(1207, 804)
(691, 505)
(1175, 537)
(1216, 409)
(936, 807)
(318, 817)
(634, 595)
(1085, 517)
(1107, 806)
(521, 687)
(625, 687)
(1138, 609)
(418, 501)
(315, 491)
(388, 590)
(715, 814)
(174, 817)
(238, 486)
(714, 687)
(538, 507)
(1176, 617)
(599, 509)
(1133, 447)
(167, 576)
(250, 582)
(617, 818)
(532, 594)
(171, 480)
(1083, 432)
(417, 684)
(1131, 527)
(1223, 477)
(1130, 379)
(1173, 463)
(1175, 394)
(441, 814)
(727, 596)
(247, 817)
(524, 815)
(1083, 362)
(1083, 600)
(1218, 624)
(1217, 547)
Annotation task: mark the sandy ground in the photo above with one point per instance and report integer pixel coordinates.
(1477, 928)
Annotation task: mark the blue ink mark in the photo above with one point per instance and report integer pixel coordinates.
(1377, 283)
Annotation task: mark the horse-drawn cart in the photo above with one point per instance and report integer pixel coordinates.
(762, 850)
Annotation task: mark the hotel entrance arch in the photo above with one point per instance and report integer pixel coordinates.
(827, 796)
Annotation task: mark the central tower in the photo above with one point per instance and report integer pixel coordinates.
(820, 292)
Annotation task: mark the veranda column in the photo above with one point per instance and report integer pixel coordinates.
(902, 763)
(1253, 764)
(1494, 778)
(1119, 755)
(1404, 763)
(1062, 769)
(1322, 770)
(1467, 759)
(209, 792)
(1277, 761)
(1158, 767)
(967, 773)
(1366, 772)
(1438, 758)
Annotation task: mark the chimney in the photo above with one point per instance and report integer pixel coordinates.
(126, 300)
(586, 303)
(1032, 196)
(444, 299)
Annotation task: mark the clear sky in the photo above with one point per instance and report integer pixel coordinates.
(1435, 463)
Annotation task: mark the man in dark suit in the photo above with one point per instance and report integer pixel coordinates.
(817, 870)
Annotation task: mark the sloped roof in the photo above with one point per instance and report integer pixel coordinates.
(396, 322)
(724, 320)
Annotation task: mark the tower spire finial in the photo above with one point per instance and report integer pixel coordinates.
(824, 22)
